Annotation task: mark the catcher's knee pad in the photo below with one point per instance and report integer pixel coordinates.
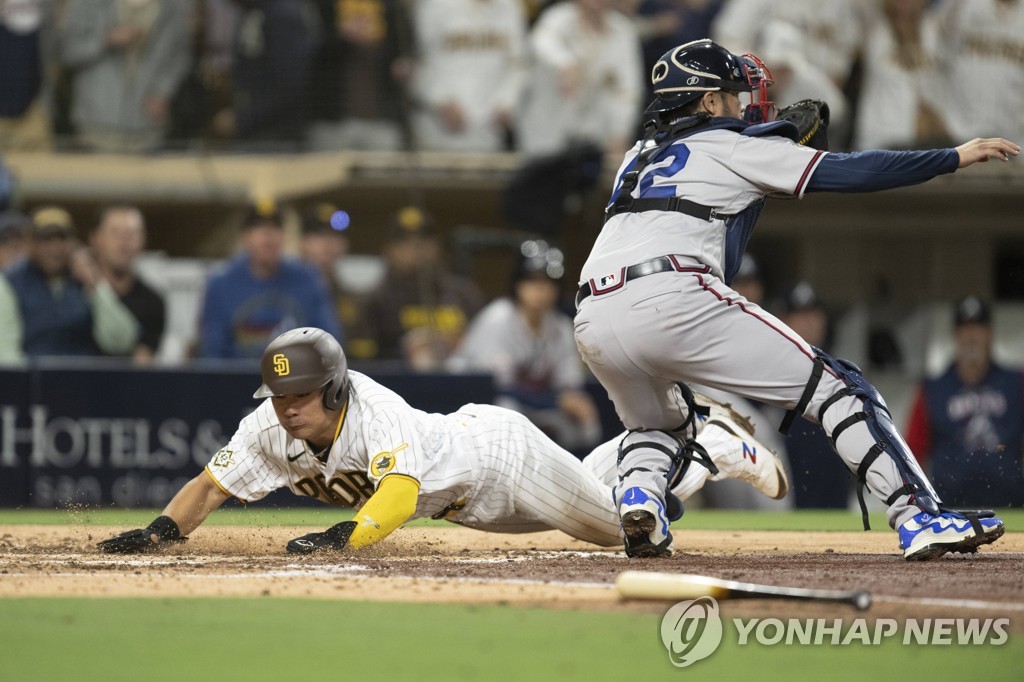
(876, 416)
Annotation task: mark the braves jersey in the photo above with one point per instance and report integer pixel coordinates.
(719, 166)
(972, 437)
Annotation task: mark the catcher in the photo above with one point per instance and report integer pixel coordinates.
(655, 306)
(336, 435)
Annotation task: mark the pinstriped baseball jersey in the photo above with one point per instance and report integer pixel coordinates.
(483, 466)
(719, 168)
(381, 434)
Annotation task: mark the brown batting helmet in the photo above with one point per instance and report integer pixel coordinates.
(305, 360)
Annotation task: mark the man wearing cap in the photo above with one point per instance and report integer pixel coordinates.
(967, 424)
(261, 293)
(419, 311)
(527, 343)
(64, 304)
(12, 237)
(324, 245)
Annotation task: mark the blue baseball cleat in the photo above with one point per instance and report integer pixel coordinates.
(927, 537)
(644, 524)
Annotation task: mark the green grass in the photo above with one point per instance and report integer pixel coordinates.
(697, 519)
(280, 639)
(286, 639)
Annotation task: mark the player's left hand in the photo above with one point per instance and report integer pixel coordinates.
(335, 537)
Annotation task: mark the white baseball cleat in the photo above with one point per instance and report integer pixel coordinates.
(743, 457)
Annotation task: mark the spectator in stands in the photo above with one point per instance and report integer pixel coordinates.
(901, 79)
(832, 31)
(796, 77)
(419, 311)
(967, 425)
(12, 237)
(982, 62)
(324, 245)
(117, 239)
(10, 326)
(527, 343)
(468, 73)
(261, 293)
(664, 24)
(206, 87)
(818, 479)
(6, 185)
(23, 117)
(65, 305)
(357, 97)
(128, 60)
(584, 82)
(274, 49)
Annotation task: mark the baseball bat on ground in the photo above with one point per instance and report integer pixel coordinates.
(649, 585)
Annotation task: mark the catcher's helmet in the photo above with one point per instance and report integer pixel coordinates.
(685, 73)
(305, 360)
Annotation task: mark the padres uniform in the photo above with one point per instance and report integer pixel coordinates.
(983, 55)
(470, 53)
(608, 65)
(483, 467)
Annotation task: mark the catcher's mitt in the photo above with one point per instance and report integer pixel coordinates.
(810, 116)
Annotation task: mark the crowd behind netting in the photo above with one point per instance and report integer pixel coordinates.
(481, 75)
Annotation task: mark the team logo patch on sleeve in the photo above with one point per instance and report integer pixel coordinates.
(383, 462)
(223, 458)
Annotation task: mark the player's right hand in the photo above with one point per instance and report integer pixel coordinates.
(163, 529)
(982, 149)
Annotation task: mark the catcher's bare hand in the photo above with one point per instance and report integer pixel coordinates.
(981, 149)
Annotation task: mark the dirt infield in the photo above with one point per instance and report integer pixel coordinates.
(545, 569)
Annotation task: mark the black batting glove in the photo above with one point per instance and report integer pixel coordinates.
(141, 539)
(335, 537)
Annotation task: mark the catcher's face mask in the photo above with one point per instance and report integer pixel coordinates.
(760, 109)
